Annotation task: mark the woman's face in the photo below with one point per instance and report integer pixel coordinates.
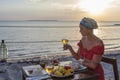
(83, 30)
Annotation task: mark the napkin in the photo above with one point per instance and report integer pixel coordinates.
(38, 77)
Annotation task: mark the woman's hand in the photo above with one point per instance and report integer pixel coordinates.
(76, 55)
(67, 46)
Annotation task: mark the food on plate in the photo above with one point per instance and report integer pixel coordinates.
(58, 73)
(62, 71)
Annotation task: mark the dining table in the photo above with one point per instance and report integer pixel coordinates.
(85, 74)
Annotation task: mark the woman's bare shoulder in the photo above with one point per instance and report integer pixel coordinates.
(99, 41)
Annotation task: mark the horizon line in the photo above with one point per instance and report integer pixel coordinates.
(57, 20)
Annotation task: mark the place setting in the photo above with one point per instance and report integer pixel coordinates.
(34, 72)
(64, 69)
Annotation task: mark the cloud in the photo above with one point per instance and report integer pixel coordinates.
(35, 0)
(116, 3)
(53, 4)
(65, 2)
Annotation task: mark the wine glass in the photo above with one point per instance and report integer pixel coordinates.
(49, 68)
(65, 41)
(55, 61)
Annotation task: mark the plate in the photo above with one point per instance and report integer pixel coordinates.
(80, 68)
(33, 70)
(62, 76)
(62, 71)
(66, 63)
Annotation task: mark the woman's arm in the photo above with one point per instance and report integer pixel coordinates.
(76, 55)
(92, 64)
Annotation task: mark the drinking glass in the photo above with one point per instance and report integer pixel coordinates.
(55, 61)
(65, 41)
(49, 68)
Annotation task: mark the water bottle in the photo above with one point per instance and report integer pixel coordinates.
(3, 51)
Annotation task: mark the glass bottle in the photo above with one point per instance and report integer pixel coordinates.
(3, 51)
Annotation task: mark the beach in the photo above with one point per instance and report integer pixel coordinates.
(11, 70)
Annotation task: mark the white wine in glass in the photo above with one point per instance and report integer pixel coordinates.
(49, 68)
(65, 41)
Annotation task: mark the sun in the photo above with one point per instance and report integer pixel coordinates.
(94, 6)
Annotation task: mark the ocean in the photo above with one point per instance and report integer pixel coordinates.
(41, 37)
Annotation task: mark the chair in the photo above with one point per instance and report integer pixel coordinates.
(113, 62)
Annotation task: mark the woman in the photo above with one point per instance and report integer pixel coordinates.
(91, 48)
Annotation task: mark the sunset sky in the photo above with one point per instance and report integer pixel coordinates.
(103, 10)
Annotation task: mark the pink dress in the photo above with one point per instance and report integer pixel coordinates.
(98, 50)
